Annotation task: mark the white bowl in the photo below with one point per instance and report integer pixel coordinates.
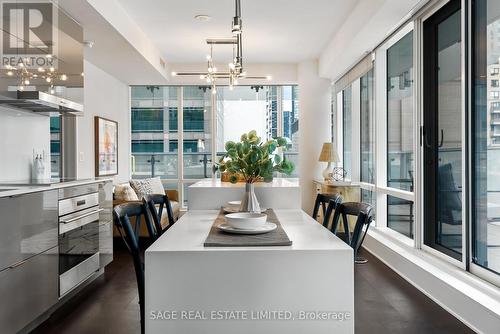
(246, 220)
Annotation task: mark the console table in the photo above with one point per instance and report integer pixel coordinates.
(349, 191)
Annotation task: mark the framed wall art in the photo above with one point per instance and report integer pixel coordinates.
(106, 146)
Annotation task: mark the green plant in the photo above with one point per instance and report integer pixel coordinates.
(254, 159)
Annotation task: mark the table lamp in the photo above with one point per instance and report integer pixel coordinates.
(328, 154)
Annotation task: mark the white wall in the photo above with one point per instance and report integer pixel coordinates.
(107, 97)
(314, 123)
(354, 40)
(116, 15)
(21, 133)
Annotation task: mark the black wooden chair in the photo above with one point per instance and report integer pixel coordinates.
(450, 206)
(322, 201)
(156, 203)
(364, 214)
(333, 204)
(396, 201)
(130, 235)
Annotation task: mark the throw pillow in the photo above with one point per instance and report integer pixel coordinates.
(124, 192)
(147, 186)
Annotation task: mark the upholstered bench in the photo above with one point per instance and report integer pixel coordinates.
(134, 190)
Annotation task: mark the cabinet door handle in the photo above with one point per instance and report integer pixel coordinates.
(81, 216)
(17, 264)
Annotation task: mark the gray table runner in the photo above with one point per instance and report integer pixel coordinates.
(217, 238)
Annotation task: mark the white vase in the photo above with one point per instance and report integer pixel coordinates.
(249, 203)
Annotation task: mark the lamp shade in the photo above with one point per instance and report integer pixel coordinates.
(328, 153)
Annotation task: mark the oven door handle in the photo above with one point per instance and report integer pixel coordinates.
(82, 216)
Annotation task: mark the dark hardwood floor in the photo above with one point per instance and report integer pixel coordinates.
(384, 303)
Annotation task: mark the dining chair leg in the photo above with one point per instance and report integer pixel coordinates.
(360, 260)
(347, 231)
(143, 322)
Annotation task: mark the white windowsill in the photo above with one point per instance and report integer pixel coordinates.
(393, 235)
(475, 288)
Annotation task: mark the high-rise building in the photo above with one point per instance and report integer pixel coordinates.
(155, 124)
(55, 146)
(286, 123)
(272, 111)
(493, 83)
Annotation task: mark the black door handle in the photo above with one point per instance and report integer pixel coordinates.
(442, 139)
(423, 138)
(423, 135)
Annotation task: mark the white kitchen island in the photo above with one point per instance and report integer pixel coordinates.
(304, 288)
(206, 194)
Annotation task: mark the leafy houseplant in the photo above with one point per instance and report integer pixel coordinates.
(254, 160)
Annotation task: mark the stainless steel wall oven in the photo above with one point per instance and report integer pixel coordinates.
(78, 239)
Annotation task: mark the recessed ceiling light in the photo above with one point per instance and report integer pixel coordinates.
(203, 17)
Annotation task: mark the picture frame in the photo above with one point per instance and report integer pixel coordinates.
(106, 146)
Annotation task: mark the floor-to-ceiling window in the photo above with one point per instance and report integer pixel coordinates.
(422, 128)
(272, 111)
(486, 136)
(367, 137)
(367, 129)
(244, 109)
(156, 120)
(443, 123)
(154, 138)
(400, 113)
(290, 123)
(333, 117)
(196, 135)
(347, 131)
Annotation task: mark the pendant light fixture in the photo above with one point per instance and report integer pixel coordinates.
(235, 71)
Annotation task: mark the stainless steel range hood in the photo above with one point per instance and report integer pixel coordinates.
(40, 102)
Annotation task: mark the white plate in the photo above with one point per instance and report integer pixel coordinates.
(246, 220)
(267, 227)
(234, 203)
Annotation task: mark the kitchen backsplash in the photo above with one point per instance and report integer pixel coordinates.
(21, 133)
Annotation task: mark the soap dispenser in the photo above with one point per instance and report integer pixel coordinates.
(39, 168)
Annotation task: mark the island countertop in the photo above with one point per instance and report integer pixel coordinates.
(211, 194)
(15, 188)
(275, 183)
(305, 232)
(313, 275)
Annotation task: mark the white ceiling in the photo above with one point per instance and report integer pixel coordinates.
(274, 31)
(111, 52)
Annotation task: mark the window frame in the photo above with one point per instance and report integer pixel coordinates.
(473, 268)
(352, 175)
(371, 119)
(379, 227)
(381, 143)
